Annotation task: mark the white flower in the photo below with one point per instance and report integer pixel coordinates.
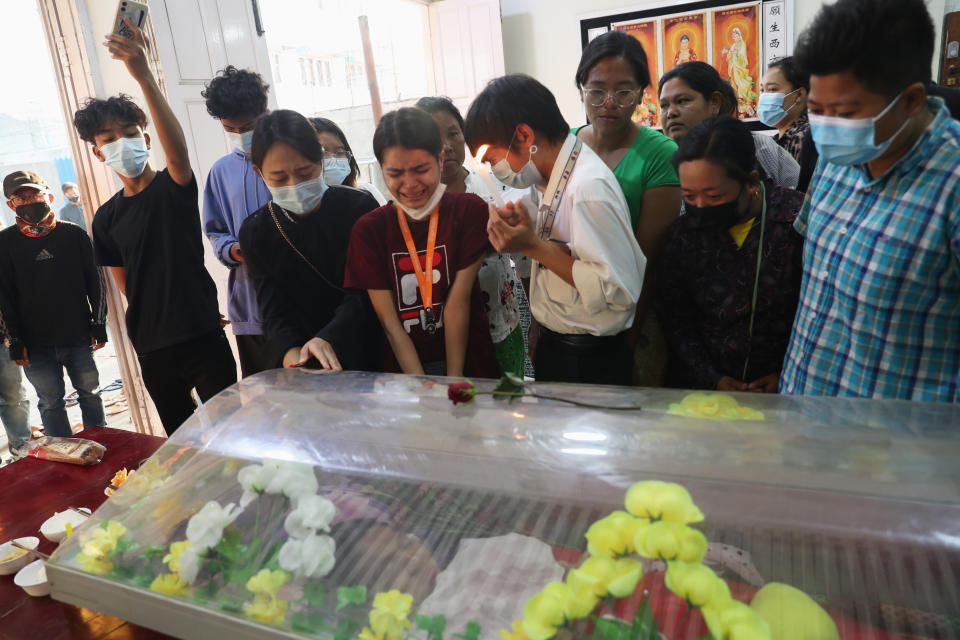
(292, 479)
(309, 557)
(188, 565)
(205, 528)
(312, 512)
(253, 478)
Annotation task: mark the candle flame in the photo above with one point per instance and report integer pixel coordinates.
(482, 150)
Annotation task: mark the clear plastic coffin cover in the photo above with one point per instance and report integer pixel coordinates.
(351, 504)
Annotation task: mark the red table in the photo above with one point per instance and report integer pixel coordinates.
(30, 491)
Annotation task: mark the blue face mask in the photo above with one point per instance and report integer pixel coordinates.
(126, 156)
(851, 141)
(336, 170)
(770, 107)
(300, 198)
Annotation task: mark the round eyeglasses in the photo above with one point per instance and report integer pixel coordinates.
(621, 97)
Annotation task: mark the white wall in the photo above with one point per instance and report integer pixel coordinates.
(542, 38)
(111, 76)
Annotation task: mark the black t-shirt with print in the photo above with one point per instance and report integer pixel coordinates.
(51, 292)
(155, 235)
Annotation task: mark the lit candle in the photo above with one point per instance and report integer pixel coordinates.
(483, 169)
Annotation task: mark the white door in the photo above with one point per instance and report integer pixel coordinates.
(467, 44)
(195, 40)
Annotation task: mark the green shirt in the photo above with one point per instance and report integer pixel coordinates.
(645, 166)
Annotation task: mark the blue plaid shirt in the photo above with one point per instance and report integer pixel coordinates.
(879, 312)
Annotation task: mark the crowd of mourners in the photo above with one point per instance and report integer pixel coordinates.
(823, 260)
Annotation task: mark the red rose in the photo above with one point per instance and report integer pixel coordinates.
(461, 392)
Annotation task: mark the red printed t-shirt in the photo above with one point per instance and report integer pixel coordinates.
(378, 259)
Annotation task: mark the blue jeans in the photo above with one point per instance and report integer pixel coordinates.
(14, 406)
(45, 373)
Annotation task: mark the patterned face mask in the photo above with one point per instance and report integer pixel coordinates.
(35, 219)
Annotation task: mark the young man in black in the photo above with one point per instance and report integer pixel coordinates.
(149, 236)
(52, 300)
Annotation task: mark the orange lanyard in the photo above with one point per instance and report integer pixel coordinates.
(425, 282)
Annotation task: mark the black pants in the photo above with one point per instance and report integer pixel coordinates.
(205, 364)
(254, 356)
(583, 358)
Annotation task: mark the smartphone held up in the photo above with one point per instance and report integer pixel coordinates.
(136, 12)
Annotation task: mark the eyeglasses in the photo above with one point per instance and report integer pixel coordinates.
(622, 98)
(339, 153)
(37, 196)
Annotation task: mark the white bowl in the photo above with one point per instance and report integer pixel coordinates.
(15, 564)
(54, 528)
(33, 578)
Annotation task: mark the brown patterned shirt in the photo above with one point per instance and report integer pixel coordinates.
(792, 138)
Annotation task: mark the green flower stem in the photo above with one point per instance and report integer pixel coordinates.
(541, 396)
(683, 620)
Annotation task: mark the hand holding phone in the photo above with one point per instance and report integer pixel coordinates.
(135, 12)
(130, 49)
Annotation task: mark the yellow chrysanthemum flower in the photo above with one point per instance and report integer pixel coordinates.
(603, 576)
(733, 620)
(104, 539)
(94, 564)
(169, 584)
(268, 582)
(113, 529)
(613, 535)
(394, 602)
(390, 612)
(713, 406)
(542, 615)
(671, 541)
(172, 559)
(369, 634)
(658, 500)
(267, 609)
(516, 633)
(696, 584)
(792, 614)
(576, 602)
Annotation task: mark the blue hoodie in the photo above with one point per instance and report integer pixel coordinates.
(232, 193)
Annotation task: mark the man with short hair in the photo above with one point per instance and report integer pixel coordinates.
(149, 236)
(588, 268)
(237, 98)
(72, 211)
(53, 303)
(879, 311)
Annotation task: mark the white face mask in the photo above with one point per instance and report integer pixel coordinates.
(528, 175)
(336, 170)
(127, 156)
(241, 141)
(300, 198)
(427, 208)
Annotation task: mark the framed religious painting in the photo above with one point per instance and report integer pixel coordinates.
(684, 39)
(648, 109)
(736, 53)
(739, 39)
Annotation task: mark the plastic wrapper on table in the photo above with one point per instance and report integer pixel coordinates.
(306, 505)
(69, 450)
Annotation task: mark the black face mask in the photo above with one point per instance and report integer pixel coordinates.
(74, 198)
(721, 215)
(34, 213)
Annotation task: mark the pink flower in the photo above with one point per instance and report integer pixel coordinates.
(461, 392)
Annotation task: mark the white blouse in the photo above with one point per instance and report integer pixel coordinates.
(593, 219)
